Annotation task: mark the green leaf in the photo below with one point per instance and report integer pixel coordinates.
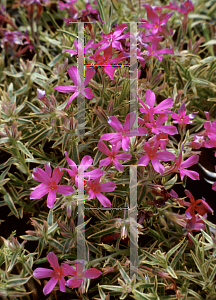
(123, 273)
(178, 255)
(10, 204)
(173, 250)
(171, 272)
(74, 35)
(24, 149)
(22, 90)
(17, 281)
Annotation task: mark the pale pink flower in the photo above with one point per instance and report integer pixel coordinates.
(79, 172)
(78, 88)
(79, 275)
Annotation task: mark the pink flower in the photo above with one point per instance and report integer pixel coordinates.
(152, 50)
(157, 127)
(186, 164)
(158, 23)
(199, 205)
(95, 190)
(181, 118)
(113, 157)
(78, 47)
(79, 275)
(78, 88)
(79, 173)
(154, 156)
(198, 141)
(106, 60)
(112, 39)
(123, 133)
(149, 108)
(57, 274)
(49, 185)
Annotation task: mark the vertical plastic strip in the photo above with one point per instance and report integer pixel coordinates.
(133, 72)
(81, 74)
(133, 221)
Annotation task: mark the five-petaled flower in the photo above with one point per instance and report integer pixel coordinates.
(49, 184)
(95, 189)
(181, 118)
(113, 157)
(79, 87)
(200, 205)
(79, 172)
(57, 274)
(154, 156)
(123, 133)
(79, 275)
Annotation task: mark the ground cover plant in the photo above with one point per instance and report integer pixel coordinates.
(107, 110)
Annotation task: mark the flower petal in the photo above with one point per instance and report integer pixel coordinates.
(62, 284)
(108, 187)
(103, 200)
(103, 148)
(39, 191)
(74, 282)
(88, 93)
(66, 88)
(53, 260)
(50, 285)
(72, 98)
(41, 176)
(43, 273)
(89, 74)
(92, 273)
(73, 73)
(150, 98)
(51, 199)
(65, 189)
(157, 166)
(57, 175)
(115, 123)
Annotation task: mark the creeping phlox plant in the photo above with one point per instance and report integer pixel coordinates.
(141, 127)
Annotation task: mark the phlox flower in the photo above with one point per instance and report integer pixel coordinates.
(181, 118)
(95, 189)
(200, 205)
(153, 155)
(57, 274)
(79, 275)
(161, 108)
(158, 23)
(113, 39)
(106, 60)
(113, 157)
(152, 50)
(79, 172)
(157, 127)
(78, 88)
(79, 49)
(181, 165)
(123, 133)
(49, 184)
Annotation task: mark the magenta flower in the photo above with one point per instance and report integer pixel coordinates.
(199, 205)
(79, 275)
(95, 190)
(158, 23)
(113, 157)
(78, 88)
(181, 118)
(152, 50)
(57, 274)
(157, 127)
(41, 94)
(154, 156)
(79, 173)
(12, 38)
(186, 164)
(78, 47)
(113, 39)
(49, 185)
(198, 141)
(149, 108)
(106, 60)
(123, 133)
